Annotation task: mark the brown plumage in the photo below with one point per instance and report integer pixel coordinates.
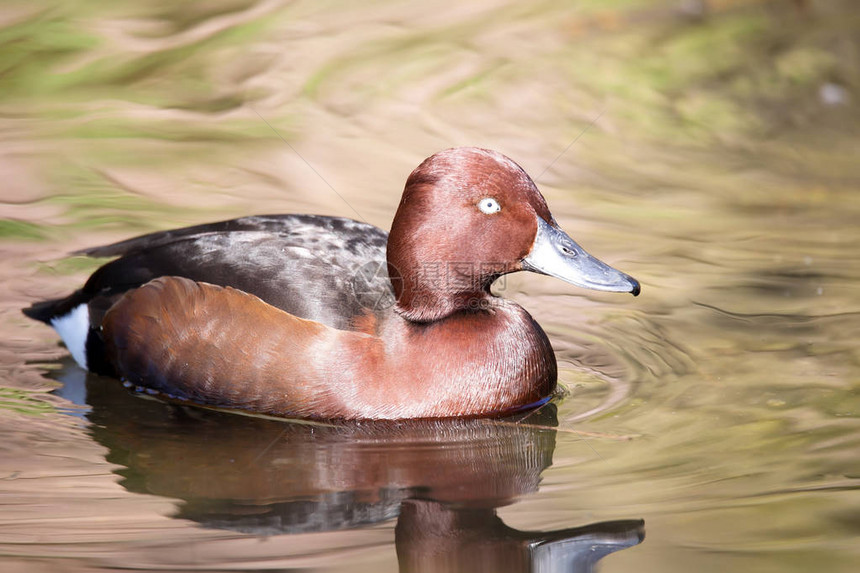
(219, 346)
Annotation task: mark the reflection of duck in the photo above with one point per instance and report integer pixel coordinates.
(444, 478)
(256, 474)
(311, 345)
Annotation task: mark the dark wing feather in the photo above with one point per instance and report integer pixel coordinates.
(304, 264)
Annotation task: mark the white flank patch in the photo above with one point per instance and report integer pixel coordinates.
(73, 328)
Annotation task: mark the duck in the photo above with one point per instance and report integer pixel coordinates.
(329, 318)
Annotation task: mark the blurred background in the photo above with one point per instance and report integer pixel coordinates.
(709, 148)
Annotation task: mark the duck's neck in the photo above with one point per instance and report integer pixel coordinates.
(431, 305)
(434, 292)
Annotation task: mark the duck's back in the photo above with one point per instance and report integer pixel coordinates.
(328, 269)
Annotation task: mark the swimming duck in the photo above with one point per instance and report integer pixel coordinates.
(326, 317)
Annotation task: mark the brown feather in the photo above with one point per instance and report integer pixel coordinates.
(222, 347)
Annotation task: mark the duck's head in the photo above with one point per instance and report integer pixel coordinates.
(468, 216)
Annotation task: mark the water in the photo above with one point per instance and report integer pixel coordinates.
(714, 160)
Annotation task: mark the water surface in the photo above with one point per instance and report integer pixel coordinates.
(713, 157)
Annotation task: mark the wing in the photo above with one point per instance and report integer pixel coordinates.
(328, 269)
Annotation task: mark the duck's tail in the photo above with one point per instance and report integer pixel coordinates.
(70, 317)
(45, 311)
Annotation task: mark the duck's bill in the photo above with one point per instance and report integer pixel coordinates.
(555, 254)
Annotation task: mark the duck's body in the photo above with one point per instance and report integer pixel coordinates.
(400, 369)
(298, 315)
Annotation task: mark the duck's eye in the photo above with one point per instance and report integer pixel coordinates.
(489, 206)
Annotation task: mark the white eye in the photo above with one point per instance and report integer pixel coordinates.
(489, 206)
